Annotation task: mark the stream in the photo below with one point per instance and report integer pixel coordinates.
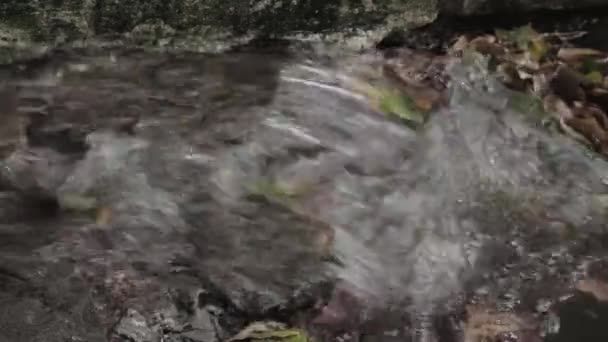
(259, 185)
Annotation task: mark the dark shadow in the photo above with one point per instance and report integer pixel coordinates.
(440, 34)
(582, 318)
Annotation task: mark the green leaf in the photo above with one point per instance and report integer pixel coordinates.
(394, 103)
(537, 48)
(595, 77)
(270, 331)
(521, 36)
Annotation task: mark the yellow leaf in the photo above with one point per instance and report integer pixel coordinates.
(595, 77)
(399, 105)
(537, 48)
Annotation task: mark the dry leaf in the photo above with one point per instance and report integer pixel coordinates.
(487, 45)
(461, 43)
(599, 115)
(554, 104)
(510, 76)
(573, 133)
(524, 75)
(597, 288)
(424, 97)
(591, 129)
(574, 55)
(523, 60)
(598, 96)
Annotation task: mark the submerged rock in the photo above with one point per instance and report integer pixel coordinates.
(133, 327)
(251, 182)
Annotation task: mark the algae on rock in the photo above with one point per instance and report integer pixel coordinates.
(70, 20)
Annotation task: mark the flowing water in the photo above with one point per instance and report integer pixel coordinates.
(255, 182)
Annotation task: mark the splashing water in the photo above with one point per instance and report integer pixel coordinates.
(248, 173)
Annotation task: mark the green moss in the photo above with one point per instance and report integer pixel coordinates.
(72, 20)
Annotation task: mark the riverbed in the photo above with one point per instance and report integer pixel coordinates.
(245, 186)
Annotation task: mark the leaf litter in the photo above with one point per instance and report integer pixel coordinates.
(570, 82)
(561, 85)
(554, 81)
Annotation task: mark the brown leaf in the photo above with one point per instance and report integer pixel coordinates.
(599, 115)
(487, 45)
(524, 61)
(587, 125)
(567, 84)
(424, 97)
(461, 43)
(553, 104)
(598, 96)
(511, 77)
(597, 288)
(575, 55)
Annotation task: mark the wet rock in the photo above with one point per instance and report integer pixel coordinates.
(12, 123)
(32, 172)
(164, 21)
(203, 327)
(134, 327)
(478, 199)
(36, 173)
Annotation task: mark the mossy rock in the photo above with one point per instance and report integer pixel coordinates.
(146, 21)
